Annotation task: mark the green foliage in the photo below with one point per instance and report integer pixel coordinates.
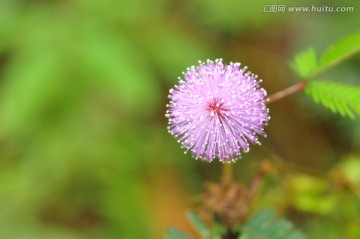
(215, 232)
(306, 65)
(339, 98)
(307, 191)
(262, 225)
(198, 224)
(265, 225)
(72, 92)
(350, 168)
(83, 86)
(340, 51)
(173, 233)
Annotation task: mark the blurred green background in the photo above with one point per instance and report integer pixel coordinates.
(84, 150)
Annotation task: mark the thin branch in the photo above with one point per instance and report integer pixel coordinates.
(255, 184)
(286, 92)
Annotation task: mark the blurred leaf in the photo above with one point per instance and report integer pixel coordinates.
(198, 224)
(265, 225)
(305, 63)
(217, 231)
(9, 18)
(339, 98)
(115, 66)
(351, 168)
(173, 233)
(309, 191)
(56, 68)
(323, 228)
(34, 79)
(30, 89)
(69, 84)
(340, 51)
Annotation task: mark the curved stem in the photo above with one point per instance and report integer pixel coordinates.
(286, 92)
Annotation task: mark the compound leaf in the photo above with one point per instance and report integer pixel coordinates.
(338, 97)
(340, 51)
(265, 225)
(305, 63)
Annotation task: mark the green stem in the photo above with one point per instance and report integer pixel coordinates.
(227, 173)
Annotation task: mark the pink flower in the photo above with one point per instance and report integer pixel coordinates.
(216, 110)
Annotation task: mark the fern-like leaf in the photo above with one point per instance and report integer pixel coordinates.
(339, 98)
(340, 51)
(305, 63)
(265, 225)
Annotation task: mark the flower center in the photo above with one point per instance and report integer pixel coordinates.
(216, 107)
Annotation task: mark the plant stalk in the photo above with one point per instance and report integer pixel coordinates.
(286, 92)
(227, 173)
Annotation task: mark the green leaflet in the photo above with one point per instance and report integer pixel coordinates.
(340, 51)
(173, 233)
(306, 64)
(198, 224)
(215, 232)
(262, 225)
(339, 98)
(265, 225)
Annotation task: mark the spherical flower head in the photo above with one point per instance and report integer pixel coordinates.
(216, 110)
